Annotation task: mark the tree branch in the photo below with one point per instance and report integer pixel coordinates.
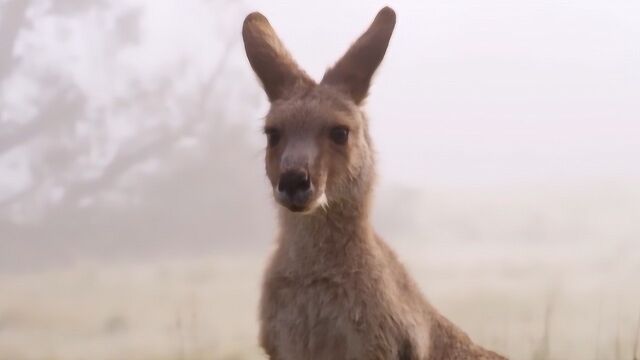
(12, 20)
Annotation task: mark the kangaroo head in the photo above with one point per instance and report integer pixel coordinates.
(318, 147)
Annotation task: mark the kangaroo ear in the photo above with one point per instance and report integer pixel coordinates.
(354, 70)
(269, 58)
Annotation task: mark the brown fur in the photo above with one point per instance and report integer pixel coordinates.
(333, 289)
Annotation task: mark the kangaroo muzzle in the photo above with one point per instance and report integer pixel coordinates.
(294, 189)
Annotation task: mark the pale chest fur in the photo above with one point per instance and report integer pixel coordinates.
(335, 312)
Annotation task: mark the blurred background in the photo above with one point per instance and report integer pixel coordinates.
(135, 216)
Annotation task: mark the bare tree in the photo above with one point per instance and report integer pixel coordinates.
(153, 192)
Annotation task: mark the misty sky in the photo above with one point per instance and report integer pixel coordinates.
(490, 92)
(470, 93)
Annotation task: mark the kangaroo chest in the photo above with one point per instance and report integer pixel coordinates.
(331, 316)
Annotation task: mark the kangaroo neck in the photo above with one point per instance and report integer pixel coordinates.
(327, 231)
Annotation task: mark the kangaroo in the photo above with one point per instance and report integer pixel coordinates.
(333, 289)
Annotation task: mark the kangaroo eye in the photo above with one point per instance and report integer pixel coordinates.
(339, 135)
(273, 136)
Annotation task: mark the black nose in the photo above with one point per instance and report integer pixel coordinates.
(294, 182)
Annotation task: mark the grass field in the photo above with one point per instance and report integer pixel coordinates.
(528, 304)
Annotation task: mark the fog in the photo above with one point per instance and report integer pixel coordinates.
(135, 216)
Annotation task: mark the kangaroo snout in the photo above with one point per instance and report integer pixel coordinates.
(294, 189)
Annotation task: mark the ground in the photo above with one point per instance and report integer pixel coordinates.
(205, 308)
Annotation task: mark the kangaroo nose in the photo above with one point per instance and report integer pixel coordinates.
(294, 182)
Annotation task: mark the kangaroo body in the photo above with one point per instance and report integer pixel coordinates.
(333, 289)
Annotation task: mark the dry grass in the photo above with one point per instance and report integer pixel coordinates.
(536, 305)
